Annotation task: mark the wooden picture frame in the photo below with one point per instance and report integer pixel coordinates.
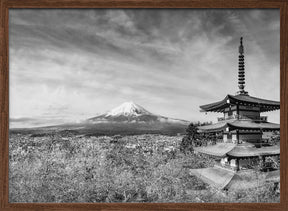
(5, 5)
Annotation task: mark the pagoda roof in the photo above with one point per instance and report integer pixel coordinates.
(218, 150)
(237, 150)
(273, 176)
(214, 176)
(241, 99)
(245, 124)
(223, 178)
(242, 150)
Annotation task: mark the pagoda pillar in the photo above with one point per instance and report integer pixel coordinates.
(237, 135)
(237, 164)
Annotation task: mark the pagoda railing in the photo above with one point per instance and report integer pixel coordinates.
(235, 116)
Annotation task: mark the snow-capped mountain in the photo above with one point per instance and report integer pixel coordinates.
(130, 112)
(128, 109)
(126, 119)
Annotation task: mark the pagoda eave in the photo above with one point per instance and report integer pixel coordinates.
(239, 125)
(218, 150)
(242, 151)
(221, 150)
(250, 125)
(241, 99)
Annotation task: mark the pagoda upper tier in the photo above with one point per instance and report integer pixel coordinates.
(241, 100)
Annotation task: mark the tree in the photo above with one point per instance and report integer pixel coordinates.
(274, 139)
(195, 139)
(191, 139)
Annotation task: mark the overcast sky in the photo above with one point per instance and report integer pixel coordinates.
(68, 64)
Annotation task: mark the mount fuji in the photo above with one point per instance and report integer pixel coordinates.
(130, 112)
(126, 119)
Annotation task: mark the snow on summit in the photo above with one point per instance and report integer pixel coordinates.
(127, 109)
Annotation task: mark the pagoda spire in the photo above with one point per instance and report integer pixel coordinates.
(241, 70)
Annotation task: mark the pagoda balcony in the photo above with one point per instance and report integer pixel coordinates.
(226, 166)
(235, 116)
(263, 118)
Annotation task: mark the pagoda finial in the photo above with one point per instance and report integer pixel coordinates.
(241, 48)
(241, 70)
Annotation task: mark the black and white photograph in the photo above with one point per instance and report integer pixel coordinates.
(144, 105)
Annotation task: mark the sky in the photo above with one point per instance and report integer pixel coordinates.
(67, 65)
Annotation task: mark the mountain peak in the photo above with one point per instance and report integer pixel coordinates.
(130, 112)
(127, 109)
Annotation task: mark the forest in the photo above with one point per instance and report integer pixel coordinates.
(64, 167)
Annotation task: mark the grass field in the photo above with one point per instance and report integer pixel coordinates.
(141, 168)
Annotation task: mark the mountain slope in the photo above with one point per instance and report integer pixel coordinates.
(130, 112)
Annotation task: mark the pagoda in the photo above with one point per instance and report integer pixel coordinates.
(242, 127)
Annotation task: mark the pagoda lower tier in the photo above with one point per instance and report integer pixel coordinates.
(239, 156)
(242, 141)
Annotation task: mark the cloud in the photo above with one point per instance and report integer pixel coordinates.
(75, 63)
